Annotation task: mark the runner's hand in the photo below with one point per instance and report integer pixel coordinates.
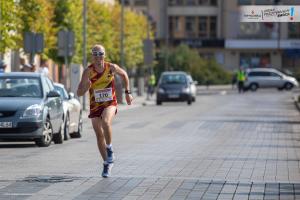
(129, 99)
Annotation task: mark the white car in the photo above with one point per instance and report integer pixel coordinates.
(268, 78)
(193, 87)
(72, 113)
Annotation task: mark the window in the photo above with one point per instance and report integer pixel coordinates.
(204, 2)
(174, 24)
(294, 30)
(20, 87)
(190, 2)
(126, 2)
(50, 84)
(244, 2)
(140, 2)
(190, 26)
(176, 2)
(62, 92)
(251, 74)
(275, 75)
(202, 27)
(264, 2)
(255, 60)
(213, 27)
(174, 79)
(213, 2)
(46, 86)
(207, 27)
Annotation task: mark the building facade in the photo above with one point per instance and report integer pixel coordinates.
(213, 28)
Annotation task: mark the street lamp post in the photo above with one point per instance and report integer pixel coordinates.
(119, 87)
(84, 62)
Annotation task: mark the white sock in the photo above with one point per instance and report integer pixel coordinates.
(109, 146)
(105, 163)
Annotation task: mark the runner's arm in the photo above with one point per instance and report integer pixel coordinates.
(84, 84)
(118, 70)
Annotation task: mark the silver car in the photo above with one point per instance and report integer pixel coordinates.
(72, 113)
(30, 109)
(268, 78)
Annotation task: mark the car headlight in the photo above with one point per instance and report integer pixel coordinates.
(33, 111)
(160, 90)
(186, 90)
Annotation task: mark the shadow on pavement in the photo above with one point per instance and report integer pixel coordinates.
(14, 145)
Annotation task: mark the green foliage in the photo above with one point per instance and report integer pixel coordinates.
(104, 28)
(183, 58)
(8, 25)
(68, 16)
(36, 16)
(51, 16)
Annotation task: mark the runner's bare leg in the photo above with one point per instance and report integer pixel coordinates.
(107, 117)
(97, 125)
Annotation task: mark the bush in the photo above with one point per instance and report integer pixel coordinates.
(205, 71)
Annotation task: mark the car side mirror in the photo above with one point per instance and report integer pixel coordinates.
(53, 93)
(71, 95)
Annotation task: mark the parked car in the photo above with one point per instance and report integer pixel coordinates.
(193, 87)
(72, 113)
(268, 78)
(30, 109)
(174, 86)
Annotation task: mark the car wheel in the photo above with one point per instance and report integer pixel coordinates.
(158, 102)
(194, 99)
(189, 102)
(67, 128)
(253, 87)
(288, 86)
(79, 131)
(45, 141)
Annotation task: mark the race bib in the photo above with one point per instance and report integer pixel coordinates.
(103, 95)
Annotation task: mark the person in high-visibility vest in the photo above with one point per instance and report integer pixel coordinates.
(151, 85)
(241, 77)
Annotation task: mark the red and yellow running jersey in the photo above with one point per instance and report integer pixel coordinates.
(102, 90)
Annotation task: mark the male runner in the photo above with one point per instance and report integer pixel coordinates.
(98, 78)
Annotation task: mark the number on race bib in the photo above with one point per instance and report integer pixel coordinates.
(103, 95)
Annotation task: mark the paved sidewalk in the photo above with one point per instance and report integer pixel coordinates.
(222, 147)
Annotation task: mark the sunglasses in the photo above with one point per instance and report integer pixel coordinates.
(97, 53)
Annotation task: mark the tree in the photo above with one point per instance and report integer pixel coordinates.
(101, 29)
(8, 25)
(68, 16)
(36, 16)
(205, 71)
(104, 28)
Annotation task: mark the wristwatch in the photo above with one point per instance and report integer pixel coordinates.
(127, 92)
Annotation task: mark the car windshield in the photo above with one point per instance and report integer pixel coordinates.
(174, 79)
(20, 87)
(62, 92)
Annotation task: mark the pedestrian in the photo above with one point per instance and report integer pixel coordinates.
(2, 66)
(151, 85)
(44, 68)
(241, 77)
(98, 78)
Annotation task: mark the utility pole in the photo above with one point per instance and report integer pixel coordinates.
(1, 46)
(118, 80)
(122, 34)
(167, 37)
(84, 61)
